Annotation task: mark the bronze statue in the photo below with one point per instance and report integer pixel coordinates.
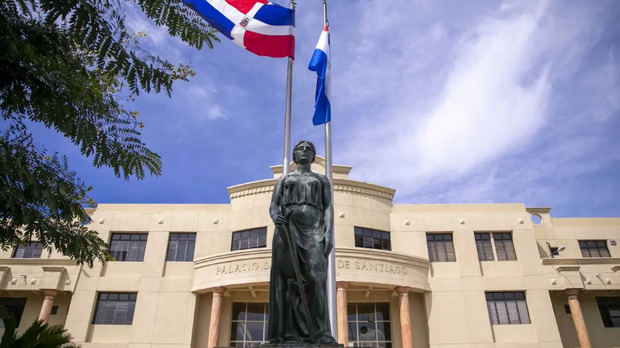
(301, 208)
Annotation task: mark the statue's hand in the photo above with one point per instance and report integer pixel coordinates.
(280, 220)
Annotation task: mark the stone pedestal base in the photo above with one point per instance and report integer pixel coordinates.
(267, 345)
(333, 345)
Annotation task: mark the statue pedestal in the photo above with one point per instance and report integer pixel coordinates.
(308, 345)
(267, 345)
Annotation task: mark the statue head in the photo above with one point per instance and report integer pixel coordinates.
(304, 147)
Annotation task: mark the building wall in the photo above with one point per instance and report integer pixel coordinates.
(447, 299)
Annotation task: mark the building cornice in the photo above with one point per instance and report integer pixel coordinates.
(38, 262)
(582, 261)
(540, 210)
(340, 185)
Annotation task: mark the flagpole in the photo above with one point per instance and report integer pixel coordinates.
(331, 270)
(287, 112)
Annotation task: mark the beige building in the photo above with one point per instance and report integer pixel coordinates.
(442, 276)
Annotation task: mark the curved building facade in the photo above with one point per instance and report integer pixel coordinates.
(447, 275)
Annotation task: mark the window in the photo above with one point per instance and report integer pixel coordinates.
(440, 247)
(249, 239)
(504, 248)
(14, 306)
(30, 250)
(610, 310)
(483, 246)
(507, 308)
(373, 239)
(594, 248)
(369, 325)
(128, 246)
(115, 308)
(181, 247)
(249, 324)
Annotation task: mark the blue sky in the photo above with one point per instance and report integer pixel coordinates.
(445, 101)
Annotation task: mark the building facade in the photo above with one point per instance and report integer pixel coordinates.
(448, 275)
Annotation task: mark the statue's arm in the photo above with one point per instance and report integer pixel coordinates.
(329, 214)
(276, 199)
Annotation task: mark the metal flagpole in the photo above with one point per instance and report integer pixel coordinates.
(287, 113)
(331, 270)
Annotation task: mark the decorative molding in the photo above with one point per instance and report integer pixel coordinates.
(340, 185)
(318, 160)
(346, 185)
(41, 262)
(360, 265)
(381, 255)
(567, 269)
(540, 210)
(581, 261)
(229, 256)
(251, 188)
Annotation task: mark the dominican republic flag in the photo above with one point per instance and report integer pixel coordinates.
(259, 26)
(321, 63)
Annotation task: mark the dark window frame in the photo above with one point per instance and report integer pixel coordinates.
(371, 238)
(506, 303)
(115, 298)
(380, 321)
(181, 247)
(589, 247)
(240, 321)
(134, 246)
(27, 251)
(440, 247)
(484, 246)
(251, 238)
(502, 248)
(15, 306)
(605, 307)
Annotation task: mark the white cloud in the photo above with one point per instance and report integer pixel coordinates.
(482, 96)
(486, 107)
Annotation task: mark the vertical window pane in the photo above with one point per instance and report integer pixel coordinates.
(371, 326)
(128, 246)
(366, 331)
(507, 308)
(504, 247)
(249, 324)
(609, 307)
(594, 248)
(440, 247)
(115, 308)
(14, 306)
(181, 247)
(373, 239)
(30, 250)
(249, 239)
(484, 248)
(384, 332)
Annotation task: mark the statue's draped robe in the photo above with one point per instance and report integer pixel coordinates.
(301, 202)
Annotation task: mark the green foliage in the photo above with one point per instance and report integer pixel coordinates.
(73, 66)
(38, 335)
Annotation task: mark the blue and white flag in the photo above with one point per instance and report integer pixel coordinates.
(321, 63)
